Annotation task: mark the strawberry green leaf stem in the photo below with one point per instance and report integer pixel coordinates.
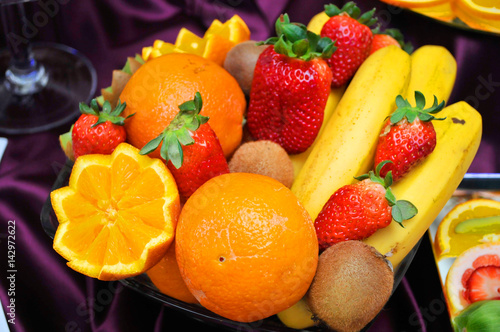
(412, 112)
(295, 41)
(178, 132)
(401, 210)
(106, 114)
(353, 11)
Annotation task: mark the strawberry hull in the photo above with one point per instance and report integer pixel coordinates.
(287, 100)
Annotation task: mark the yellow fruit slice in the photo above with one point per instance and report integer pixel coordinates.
(479, 14)
(214, 28)
(235, 30)
(415, 3)
(216, 42)
(468, 224)
(441, 12)
(316, 23)
(221, 37)
(189, 42)
(239, 31)
(118, 214)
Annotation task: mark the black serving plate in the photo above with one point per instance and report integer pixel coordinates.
(143, 284)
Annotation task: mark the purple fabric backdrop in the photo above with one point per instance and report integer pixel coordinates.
(51, 297)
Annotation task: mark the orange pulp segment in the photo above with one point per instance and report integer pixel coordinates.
(466, 225)
(479, 14)
(441, 12)
(118, 214)
(415, 3)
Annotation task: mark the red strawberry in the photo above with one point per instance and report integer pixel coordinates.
(190, 148)
(356, 211)
(98, 131)
(353, 39)
(484, 284)
(290, 87)
(387, 38)
(408, 136)
(381, 41)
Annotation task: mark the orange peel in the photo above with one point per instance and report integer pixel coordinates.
(478, 14)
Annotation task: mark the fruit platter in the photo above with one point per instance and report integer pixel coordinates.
(276, 184)
(143, 284)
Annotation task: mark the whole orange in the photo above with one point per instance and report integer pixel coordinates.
(159, 86)
(246, 247)
(166, 277)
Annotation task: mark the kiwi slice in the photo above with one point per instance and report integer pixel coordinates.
(352, 284)
(479, 225)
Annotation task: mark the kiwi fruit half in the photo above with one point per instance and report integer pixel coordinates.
(352, 284)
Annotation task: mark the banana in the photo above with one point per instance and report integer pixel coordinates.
(347, 147)
(431, 184)
(298, 160)
(316, 23)
(298, 316)
(433, 72)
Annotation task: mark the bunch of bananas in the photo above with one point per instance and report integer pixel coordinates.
(346, 146)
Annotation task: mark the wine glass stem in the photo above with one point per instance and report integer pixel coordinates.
(24, 75)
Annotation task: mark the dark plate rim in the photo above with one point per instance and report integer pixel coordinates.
(142, 284)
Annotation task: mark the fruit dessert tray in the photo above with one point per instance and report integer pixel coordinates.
(143, 284)
(282, 183)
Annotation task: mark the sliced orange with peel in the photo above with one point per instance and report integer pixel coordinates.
(216, 48)
(479, 14)
(118, 214)
(238, 30)
(441, 12)
(468, 224)
(415, 3)
(216, 42)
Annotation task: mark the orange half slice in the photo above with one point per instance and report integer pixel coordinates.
(118, 214)
(479, 14)
(468, 224)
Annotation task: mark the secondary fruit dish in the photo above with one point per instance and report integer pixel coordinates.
(466, 247)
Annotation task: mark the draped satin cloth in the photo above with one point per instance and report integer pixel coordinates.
(49, 296)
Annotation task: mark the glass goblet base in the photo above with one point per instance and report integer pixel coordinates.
(71, 79)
